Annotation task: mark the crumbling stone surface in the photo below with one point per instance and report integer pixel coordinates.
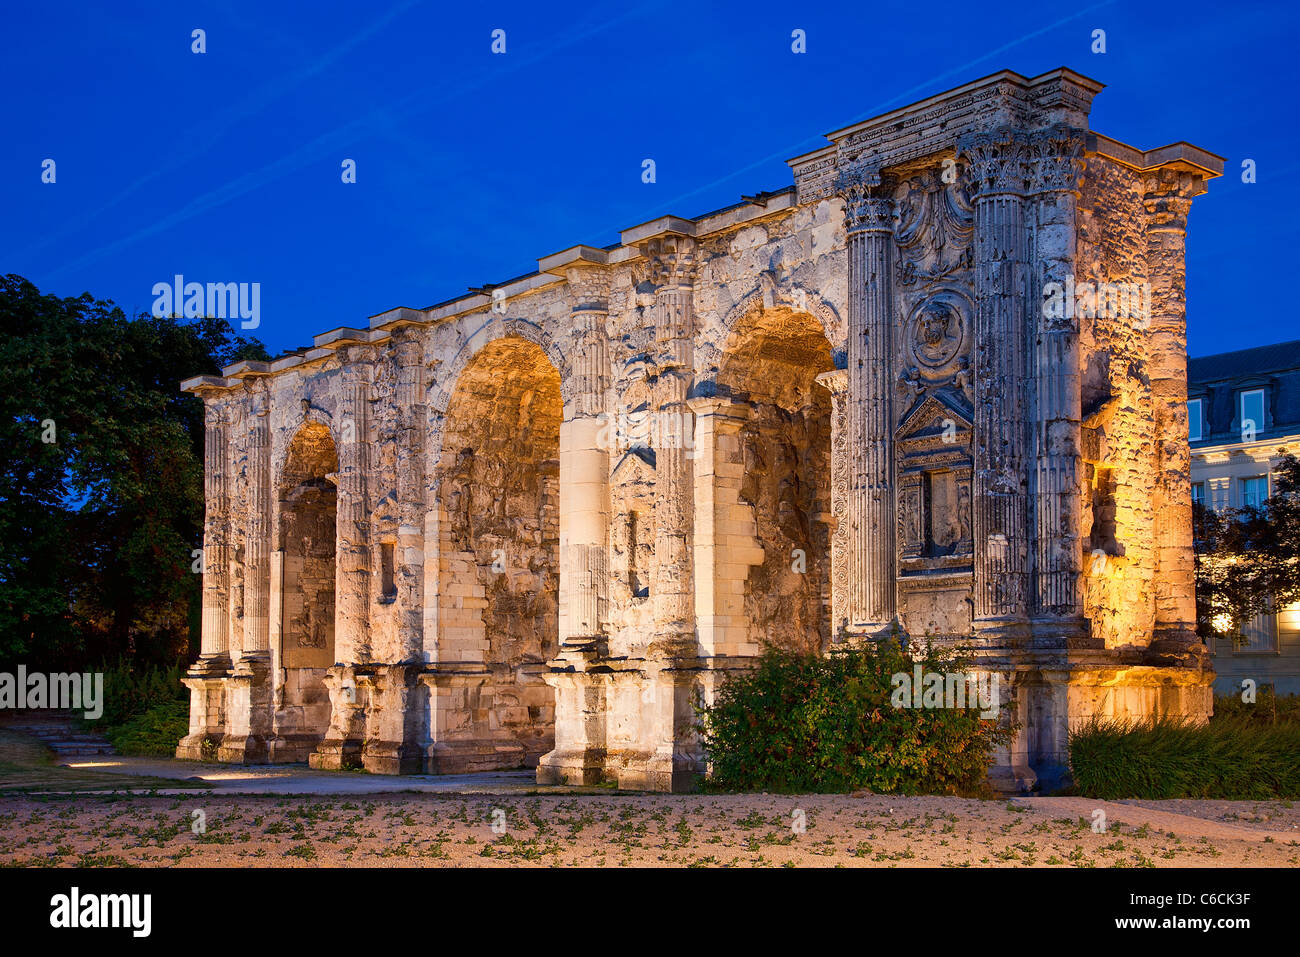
(565, 508)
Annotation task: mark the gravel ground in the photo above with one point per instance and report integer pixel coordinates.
(423, 830)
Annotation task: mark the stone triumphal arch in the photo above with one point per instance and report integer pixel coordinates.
(535, 525)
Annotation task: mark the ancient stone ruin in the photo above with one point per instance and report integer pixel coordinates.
(936, 387)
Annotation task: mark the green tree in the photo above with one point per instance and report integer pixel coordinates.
(1248, 559)
(101, 476)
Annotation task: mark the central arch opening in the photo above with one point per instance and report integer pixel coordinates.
(308, 533)
(773, 359)
(499, 542)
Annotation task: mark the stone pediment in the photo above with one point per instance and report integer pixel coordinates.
(636, 465)
(931, 416)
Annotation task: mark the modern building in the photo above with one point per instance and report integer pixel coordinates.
(1243, 411)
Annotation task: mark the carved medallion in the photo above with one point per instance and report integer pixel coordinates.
(937, 335)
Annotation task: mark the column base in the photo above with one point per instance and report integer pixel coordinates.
(336, 754)
(575, 767)
(392, 757)
(206, 681)
(471, 757)
(202, 746)
(243, 749)
(291, 748)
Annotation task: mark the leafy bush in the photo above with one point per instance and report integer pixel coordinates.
(825, 723)
(130, 691)
(1230, 758)
(153, 733)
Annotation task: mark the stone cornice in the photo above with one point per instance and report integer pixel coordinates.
(932, 126)
(1181, 156)
(1058, 98)
(1260, 450)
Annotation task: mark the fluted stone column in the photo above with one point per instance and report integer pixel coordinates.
(577, 675)
(205, 679)
(248, 693)
(1167, 198)
(585, 440)
(215, 639)
(997, 166)
(352, 594)
(257, 549)
(871, 580)
(1056, 168)
(672, 269)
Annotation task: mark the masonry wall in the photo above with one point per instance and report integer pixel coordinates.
(566, 509)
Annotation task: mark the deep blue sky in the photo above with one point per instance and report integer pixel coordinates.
(225, 166)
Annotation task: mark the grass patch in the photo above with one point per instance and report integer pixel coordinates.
(27, 765)
(1268, 708)
(1230, 758)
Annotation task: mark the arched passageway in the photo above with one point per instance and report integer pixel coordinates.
(307, 543)
(499, 532)
(772, 360)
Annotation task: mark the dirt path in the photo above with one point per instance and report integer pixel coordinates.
(621, 830)
(1185, 818)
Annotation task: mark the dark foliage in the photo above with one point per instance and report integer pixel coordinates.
(97, 527)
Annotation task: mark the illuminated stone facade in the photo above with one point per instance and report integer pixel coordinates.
(566, 506)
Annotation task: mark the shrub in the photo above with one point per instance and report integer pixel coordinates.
(154, 733)
(130, 691)
(1230, 758)
(1268, 708)
(825, 723)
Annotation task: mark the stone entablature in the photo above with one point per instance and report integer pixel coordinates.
(566, 505)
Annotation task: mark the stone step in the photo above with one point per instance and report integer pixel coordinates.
(72, 750)
(60, 731)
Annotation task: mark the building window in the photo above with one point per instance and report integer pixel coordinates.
(1253, 491)
(1198, 493)
(1252, 414)
(1258, 636)
(1194, 420)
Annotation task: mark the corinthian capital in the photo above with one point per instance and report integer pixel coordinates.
(1056, 160)
(997, 161)
(258, 395)
(671, 260)
(214, 414)
(868, 206)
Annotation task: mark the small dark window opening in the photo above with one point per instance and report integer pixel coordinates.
(388, 586)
